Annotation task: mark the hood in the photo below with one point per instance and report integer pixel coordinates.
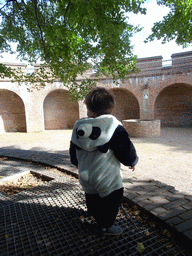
(89, 133)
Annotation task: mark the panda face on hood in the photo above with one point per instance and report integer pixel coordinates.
(89, 133)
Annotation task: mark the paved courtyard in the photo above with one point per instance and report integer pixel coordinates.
(166, 158)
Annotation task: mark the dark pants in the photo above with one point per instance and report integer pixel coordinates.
(104, 209)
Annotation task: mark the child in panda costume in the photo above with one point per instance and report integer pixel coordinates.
(99, 145)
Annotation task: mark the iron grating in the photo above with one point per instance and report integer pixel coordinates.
(49, 223)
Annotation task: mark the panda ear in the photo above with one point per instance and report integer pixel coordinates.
(96, 132)
(84, 131)
(80, 133)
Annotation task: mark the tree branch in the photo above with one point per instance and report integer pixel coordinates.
(67, 9)
(7, 3)
(41, 32)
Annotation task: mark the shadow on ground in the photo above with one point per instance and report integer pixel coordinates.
(50, 224)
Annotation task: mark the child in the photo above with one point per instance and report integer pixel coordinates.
(99, 144)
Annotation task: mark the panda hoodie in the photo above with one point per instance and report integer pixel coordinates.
(98, 147)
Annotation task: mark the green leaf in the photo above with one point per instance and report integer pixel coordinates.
(167, 233)
(176, 25)
(140, 247)
(66, 36)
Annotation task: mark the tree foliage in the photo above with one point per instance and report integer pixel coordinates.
(68, 35)
(176, 25)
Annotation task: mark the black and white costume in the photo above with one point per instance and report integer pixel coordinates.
(98, 147)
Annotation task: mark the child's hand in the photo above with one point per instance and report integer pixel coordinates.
(132, 167)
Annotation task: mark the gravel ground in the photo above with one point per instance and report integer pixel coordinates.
(167, 159)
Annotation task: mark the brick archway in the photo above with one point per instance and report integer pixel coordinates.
(59, 112)
(12, 112)
(173, 105)
(126, 104)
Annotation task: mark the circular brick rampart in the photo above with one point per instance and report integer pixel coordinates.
(142, 128)
(160, 90)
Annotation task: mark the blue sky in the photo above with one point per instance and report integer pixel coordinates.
(155, 48)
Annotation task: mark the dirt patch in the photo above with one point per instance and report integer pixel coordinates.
(24, 182)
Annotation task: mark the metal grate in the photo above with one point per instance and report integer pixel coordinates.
(49, 224)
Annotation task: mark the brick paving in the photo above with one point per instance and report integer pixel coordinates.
(161, 200)
(164, 202)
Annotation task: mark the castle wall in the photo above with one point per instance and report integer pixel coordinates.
(158, 91)
(172, 106)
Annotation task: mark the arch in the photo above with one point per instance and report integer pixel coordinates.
(126, 104)
(173, 105)
(12, 112)
(59, 111)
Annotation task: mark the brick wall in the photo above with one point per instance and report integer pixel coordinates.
(126, 104)
(142, 129)
(183, 59)
(12, 112)
(174, 105)
(149, 63)
(59, 112)
(157, 91)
